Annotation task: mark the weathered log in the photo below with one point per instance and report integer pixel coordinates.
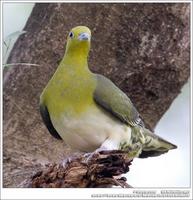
(102, 169)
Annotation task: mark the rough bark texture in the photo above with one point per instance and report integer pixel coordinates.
(143, 48)
(102, 169)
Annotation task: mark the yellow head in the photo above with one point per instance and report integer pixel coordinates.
(78, 41)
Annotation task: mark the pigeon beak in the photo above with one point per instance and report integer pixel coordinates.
(84, 37)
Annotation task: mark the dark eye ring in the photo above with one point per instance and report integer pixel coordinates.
(71, 35)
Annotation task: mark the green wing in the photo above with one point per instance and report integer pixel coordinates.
(47, 121)
(111, 98)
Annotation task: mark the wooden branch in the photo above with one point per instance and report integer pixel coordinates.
(102, 169)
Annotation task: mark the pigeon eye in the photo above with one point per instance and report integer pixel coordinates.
(71, 35)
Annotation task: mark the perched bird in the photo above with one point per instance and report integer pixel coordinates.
(89, 112)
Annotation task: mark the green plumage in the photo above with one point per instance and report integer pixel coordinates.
(109, 96)
(88, 111)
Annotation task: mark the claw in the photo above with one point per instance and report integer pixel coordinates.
(89, 156)
(68, 160)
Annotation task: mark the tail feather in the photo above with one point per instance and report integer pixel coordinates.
(155, 145)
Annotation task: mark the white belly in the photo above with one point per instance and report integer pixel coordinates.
(91, 130)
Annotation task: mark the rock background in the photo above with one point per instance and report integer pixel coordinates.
(143, 48)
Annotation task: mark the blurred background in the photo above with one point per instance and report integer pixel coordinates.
(169, 170)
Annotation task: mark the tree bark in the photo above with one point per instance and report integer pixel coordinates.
(102, 169)
(143, 48)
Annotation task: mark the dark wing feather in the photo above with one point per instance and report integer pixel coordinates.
(47, 121)
(152, 153)
(111, 98)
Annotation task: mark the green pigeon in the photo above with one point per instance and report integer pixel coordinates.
(89, 112)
